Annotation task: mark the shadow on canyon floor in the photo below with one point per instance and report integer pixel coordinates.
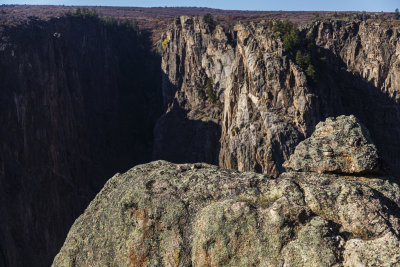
(179, 139)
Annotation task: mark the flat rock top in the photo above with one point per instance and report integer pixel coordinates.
(163, 214)
(338, 145)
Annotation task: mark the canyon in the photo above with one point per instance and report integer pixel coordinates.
(266, 104)
(83, 98)
(79, 100)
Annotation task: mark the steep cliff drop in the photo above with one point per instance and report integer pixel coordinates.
(79, 98)
(163, 214)
(196, 63)
(269, 103)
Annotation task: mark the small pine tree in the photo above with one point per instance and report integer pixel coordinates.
(210, 91)
(202, 95)
(291, 40)
(209, 19)
(299, 59)
(310, 71)
(396, 13)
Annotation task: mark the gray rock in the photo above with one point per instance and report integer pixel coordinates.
(163, 214)
(338, 145)
(268, 104)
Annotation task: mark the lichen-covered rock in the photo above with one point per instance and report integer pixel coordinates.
(338, 145)
(164, 214)
(383, 251)
(351, 202)
(363, 78)
(314, 245)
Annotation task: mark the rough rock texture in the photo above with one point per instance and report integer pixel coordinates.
(338, 145)
(266, 107)
(78, 103)
(268, 104)
(79, 100)
(194, 55)
(266, 99)
(363, 78)
(199, 215)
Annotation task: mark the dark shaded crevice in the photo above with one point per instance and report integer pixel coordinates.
(179, 139)
(298, 184)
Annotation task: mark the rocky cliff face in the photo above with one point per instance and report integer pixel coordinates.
(79, 99)
(198, 215)
(363, 78)
(268, 104)
(197, 63)
(267, 108)
(266, 101)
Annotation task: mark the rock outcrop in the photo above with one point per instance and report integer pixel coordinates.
(199, 215)
(363, 78)
(197, 64)
(340, 145)
(262, 106)
(79, 102)
(269, 106)
(78, 99)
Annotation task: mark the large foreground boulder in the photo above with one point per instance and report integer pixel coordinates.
(164, 214)
(338, 145)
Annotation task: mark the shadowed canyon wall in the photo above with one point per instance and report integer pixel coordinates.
(79, 99)
(82, 99)
(266, 104)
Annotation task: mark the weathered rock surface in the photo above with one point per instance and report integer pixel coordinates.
(194, 55)
(268, 104)
(266, 107)
(79, 103)
(197, 214)
(363, 78)
(338, 145)
(266, 101)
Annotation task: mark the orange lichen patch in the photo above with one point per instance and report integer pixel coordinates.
(201, 255)
(326, 130)
(143, 216)
(138, 255)
(138, 259)
(349, 165)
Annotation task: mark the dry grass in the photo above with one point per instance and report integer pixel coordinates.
(156, 19)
